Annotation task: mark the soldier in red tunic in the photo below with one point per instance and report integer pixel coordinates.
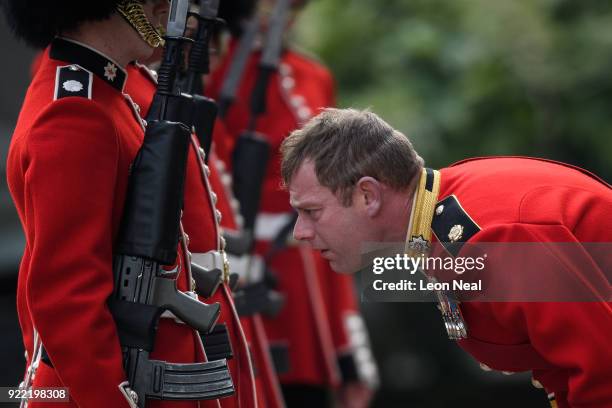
(318, 335)
(76, 138)
(246, 343)
(353, 179)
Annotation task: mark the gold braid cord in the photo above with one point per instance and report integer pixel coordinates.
(133, 12)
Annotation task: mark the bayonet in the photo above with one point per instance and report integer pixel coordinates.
(177, 19)
(236, 68)
(274, 38)
(270, 58)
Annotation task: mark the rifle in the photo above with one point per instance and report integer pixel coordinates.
(250, 156)
(199, 64)
(250, 159)
(242, 242)
(230, 84)
(148, 240)
(217, 342)
(205, 113)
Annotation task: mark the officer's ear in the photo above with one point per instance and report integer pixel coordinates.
(369, 193)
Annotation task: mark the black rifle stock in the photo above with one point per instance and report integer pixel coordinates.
(147, 241)
(250, 161)
(206, 111)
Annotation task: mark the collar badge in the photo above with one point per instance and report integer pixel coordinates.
(110, 71)
(455, 233)
(72, 86)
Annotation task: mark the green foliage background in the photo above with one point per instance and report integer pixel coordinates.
(468, 78)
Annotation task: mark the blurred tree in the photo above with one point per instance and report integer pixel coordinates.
(476, 77)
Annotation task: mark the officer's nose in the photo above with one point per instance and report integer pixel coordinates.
(302, 230)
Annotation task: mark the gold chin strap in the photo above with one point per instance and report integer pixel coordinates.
(133, 12)
(418, 243)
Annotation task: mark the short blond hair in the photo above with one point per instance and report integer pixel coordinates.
(347, 144)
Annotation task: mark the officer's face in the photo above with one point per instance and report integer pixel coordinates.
(335, 230)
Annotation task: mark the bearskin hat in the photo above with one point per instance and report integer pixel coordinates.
(38, 21)
(235, 12)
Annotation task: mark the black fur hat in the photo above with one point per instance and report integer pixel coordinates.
(38, 21)
(235, 12)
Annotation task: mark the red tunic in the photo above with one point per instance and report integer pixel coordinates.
(67, 172)
(313, 324)
(566, 344)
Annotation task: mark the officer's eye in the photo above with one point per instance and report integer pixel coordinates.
(311, 212)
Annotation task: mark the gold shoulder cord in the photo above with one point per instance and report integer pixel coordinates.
(418, 239)
(418, 243)
(133, 12)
